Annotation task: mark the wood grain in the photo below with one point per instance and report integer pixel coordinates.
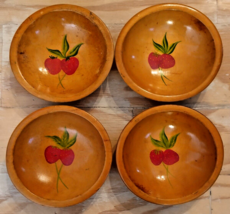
(113, 104)
(114, 92)
(220, 195)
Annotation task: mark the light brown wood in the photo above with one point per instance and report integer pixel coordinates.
(59, 156)
(177, 52)
(113, 104)
(61, 53)
(169, 154)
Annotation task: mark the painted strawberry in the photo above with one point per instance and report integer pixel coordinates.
(165, 60)
(52, 154)
(69, 63)
(154, 60)
(64, 153)
(170, 157)
(53, 65)
(156, 156)
(67, 156)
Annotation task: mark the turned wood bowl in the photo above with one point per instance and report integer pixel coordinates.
(169, 52)
(169, 155)
(61, 53)
(58, 156)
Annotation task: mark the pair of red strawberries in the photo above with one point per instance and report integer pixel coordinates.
(55, 65)
(165, 60)
(53, 154)
(161, 61)
(168, 156)
(62, 151)
(69, 64)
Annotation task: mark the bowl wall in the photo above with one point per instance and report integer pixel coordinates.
(169, 52)
(61, 53)
(169, 154)
(59, 156)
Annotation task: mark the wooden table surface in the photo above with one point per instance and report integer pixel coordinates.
(113, 104)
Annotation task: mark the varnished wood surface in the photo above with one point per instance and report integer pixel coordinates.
(113, 104)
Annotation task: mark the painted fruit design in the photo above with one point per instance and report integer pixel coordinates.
(61, 151)
(156, 156)
(168, 156)
(162, 59)
(53, 65)
(68, 63)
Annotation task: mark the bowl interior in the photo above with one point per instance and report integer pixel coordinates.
(80, 48)
(168, 157)
(39, 176)
(184, 60)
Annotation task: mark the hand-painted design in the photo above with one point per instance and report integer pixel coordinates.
(69, 63)
(165, 60)
(61, 151)
(168, 157)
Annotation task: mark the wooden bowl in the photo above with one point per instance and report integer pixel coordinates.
(61, 53)
(169, 155)
(59, 156)
(168, 52)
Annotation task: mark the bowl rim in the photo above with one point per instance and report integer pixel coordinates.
(156, 8)
(166, 108)
(53, 203)
(71, 8)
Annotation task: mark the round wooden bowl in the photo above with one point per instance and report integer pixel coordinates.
(61, 53)
(59, 156)
(169, 52)
(169, 155)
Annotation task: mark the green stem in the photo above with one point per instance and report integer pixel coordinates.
(163, 76)
(60, 177)
(57, 176)
(167, 78)
(167, 173)
(60, 80)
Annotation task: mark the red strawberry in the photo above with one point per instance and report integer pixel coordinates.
(52, 154)
(156, 156)
(170, 157)
(67, 156)
(153, 60)
(166, 61)
(69, 66)
(53, 65)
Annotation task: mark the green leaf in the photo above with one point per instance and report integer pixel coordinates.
(172, 140)
(56, 53)
(65, 46)
(164, 138)
(72, 141)
(57, 140)
(165, 43)
(172, 47)
(158, 47)
(157, 143)
(75, 50)
(65, 137)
